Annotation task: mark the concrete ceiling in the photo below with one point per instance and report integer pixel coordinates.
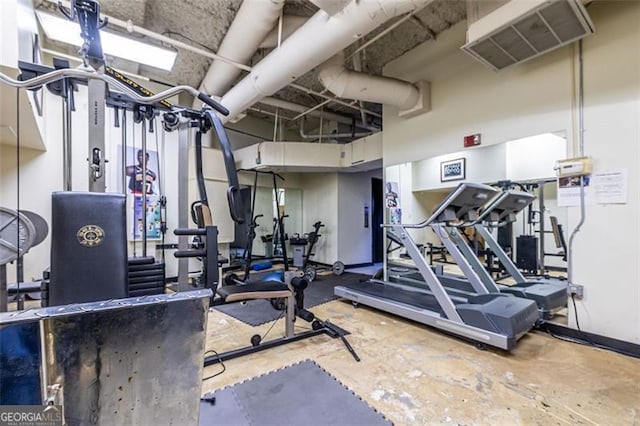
(203, 23)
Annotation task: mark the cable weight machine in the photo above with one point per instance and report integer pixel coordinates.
(106, 87)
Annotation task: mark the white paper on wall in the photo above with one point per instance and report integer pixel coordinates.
(610, 187)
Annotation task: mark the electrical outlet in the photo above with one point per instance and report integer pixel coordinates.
(576, 290)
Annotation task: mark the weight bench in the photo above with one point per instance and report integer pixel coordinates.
(440, 251)
(262, 290)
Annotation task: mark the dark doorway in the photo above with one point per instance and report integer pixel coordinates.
(377, 212)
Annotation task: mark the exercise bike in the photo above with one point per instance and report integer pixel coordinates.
(302, 254)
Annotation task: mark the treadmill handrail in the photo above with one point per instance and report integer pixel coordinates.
(443, 205)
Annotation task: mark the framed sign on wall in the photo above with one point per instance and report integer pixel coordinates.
(452, 170)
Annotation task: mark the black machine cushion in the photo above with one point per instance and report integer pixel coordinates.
(88, 247)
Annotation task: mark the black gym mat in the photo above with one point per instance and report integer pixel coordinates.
(300, 394)
(258, 312)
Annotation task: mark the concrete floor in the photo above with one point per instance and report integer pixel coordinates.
(416, 375)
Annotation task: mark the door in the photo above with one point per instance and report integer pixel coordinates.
(377, 212)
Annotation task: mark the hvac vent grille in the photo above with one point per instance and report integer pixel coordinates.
(550, 25)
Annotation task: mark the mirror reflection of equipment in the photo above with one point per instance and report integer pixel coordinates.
(17, 235)
(550, 297)
(19, 232)
(74, 384)
(488, 319)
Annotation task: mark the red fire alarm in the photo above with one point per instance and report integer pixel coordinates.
(472, 140)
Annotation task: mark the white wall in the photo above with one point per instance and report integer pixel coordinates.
(320, 201)
(607, 249)
(531, 158)
(538, 97)
(8, 33)
(483, 164)
(534, 157)
(354, 239)
(468, 98)
(413, 210)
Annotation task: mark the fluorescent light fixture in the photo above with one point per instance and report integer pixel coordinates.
(68, 32)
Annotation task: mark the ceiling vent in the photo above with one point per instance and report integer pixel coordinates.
(523, 29)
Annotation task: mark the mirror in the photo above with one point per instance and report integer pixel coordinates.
(421, 185)
(289, 204)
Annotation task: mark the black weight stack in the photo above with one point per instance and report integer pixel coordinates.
(527, 253)
(146, 276)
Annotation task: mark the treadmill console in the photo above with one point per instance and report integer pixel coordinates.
(463, 203)
(506, 206)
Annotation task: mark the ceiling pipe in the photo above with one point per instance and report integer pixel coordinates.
(349, 84)
(332, 135)
(254, 20)
(290, 106)
(290, 24)
(357, 66)
(317, 40)
(314, 108)
(332, 98)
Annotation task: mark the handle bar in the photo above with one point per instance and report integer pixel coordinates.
(89, 73)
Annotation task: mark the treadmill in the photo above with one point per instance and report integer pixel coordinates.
(497, 320)
(549, 296)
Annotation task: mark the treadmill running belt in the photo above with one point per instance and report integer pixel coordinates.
(388, 292)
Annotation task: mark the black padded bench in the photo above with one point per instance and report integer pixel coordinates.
(255, 290)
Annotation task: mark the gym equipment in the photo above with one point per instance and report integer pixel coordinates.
(145, 276)
(299, 247)
(270, 241)
(204, 120)
(88, 248)
(19, 231)
(99, 360)
(291, 290)
(531, 249)
(337, 268)
(527, 253)
(123, 93)
(97, 76)
(488, 319)
(17, 235)
(558, 236)
(251, 233)
(258, 312)
(549, 297)
(208, 241)
(278, 237)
